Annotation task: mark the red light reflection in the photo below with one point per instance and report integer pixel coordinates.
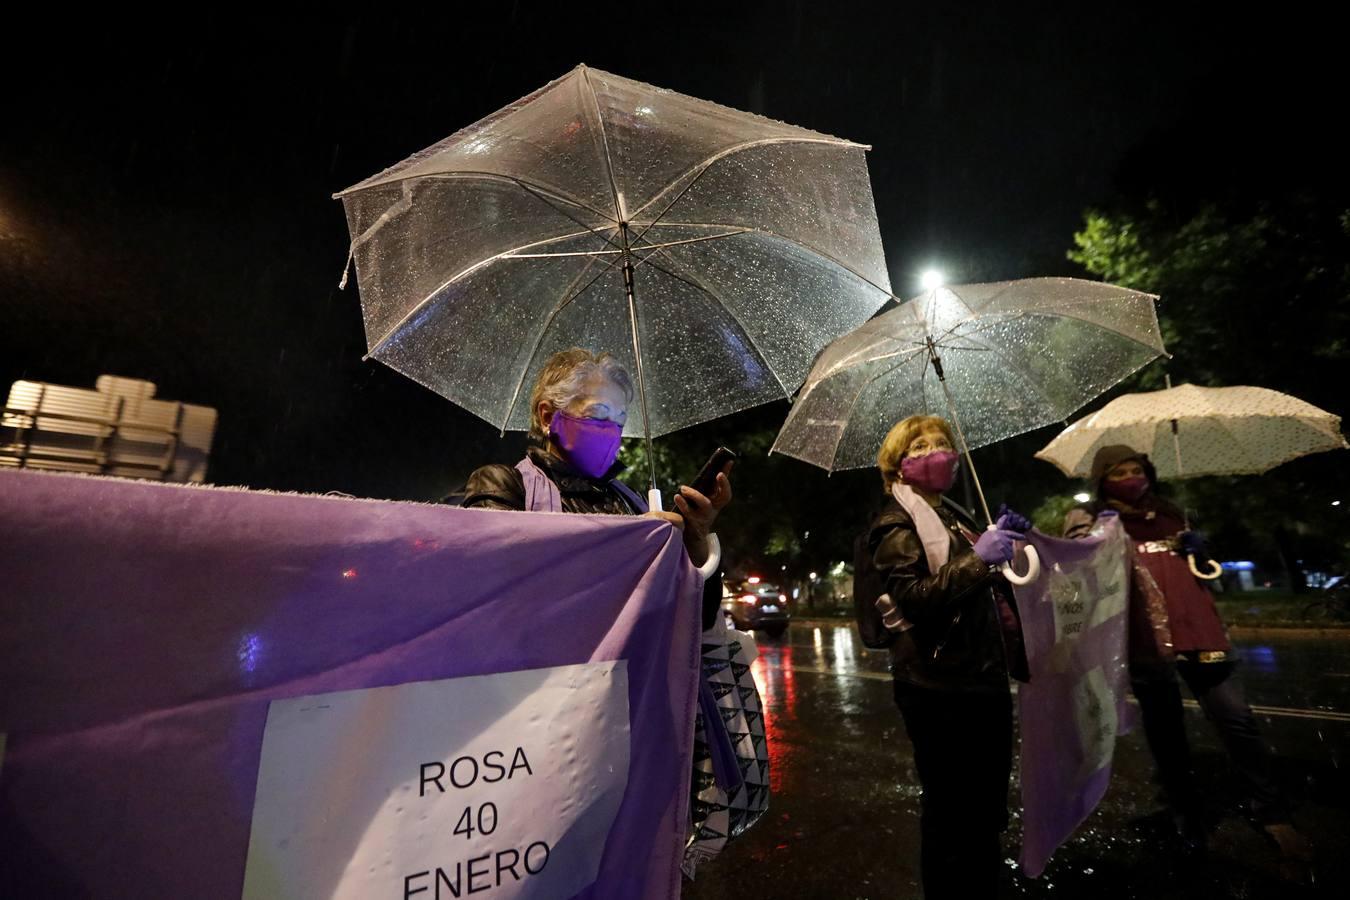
(777, 684)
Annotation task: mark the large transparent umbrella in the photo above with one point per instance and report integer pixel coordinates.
(997, 359)
(713, 251)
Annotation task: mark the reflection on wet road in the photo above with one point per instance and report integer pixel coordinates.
(843, 821)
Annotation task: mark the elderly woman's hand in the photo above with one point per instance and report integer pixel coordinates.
(699, 514)
(672, 517)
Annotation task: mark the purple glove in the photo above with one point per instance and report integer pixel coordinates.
(996, 547)
(1012, 521)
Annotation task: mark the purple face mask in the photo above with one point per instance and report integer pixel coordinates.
(589, 445)
(1126, 489)
(934, 473)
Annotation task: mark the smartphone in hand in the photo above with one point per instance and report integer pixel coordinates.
(706, 480)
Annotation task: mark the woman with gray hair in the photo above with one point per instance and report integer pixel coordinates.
(578, 408)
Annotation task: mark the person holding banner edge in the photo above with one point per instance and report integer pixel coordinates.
(957, 637)
(578, 408)
(1194, 648)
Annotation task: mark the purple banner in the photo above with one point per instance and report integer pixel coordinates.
(148, 628)
(1074, 622)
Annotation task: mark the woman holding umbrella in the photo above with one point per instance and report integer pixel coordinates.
(1194, 645)
(959, 637)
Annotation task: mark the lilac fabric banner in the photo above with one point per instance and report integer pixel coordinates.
(1074, 622)
(198, 682)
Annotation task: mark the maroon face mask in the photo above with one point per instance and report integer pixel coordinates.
(589, 445)
(1127, 490)
(934, 473)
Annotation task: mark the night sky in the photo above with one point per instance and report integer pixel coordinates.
(165, 184)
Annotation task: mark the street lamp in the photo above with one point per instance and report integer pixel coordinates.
(1082, 496)
(932, 279)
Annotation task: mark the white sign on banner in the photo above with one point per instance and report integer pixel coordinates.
(501, 785)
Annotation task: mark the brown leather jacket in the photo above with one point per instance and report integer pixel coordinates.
(966, 634)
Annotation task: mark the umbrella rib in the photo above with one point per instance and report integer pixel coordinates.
(697, 240)
(867, 383)
(619, 211)
(923, 386)
(562, 212)
(906, 351)
(471, 174)
(567, 298)
(452, 279)
(1026, 377)
(705, 164)
(693, 282)
(561, 255)
(802, 244)
(650, 246)
(979, 319)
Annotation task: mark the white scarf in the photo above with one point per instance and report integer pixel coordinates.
(932, 533)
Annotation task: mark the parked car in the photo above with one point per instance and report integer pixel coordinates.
(756, 605)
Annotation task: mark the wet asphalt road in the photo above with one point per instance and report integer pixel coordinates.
(843, 821)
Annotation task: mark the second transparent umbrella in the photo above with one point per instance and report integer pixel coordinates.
(998, 359)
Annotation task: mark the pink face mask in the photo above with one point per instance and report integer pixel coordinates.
(935, 473)
(1126, 489)
(589, 445)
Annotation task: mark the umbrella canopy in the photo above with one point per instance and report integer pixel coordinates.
(713, 251)
(1017, 355)
(1218, 431)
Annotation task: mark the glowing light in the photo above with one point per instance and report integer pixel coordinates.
(1335, 503)
(749, 598)
(753, 579)
(1082, 496)
(249, 652)
(932, 279)
(349, 574)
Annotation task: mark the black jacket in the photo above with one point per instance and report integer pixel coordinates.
(500, 486)
(962, 615)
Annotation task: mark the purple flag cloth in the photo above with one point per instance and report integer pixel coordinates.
(1074, 624)
(145, 628)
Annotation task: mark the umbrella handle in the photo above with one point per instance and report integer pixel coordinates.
(1033, 566)
(1215, 570)
(709, 567)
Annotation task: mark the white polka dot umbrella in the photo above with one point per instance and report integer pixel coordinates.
(1189, 431)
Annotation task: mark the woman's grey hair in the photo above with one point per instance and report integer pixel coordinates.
(564, 377)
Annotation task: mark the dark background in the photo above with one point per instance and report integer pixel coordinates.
(165, 187)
